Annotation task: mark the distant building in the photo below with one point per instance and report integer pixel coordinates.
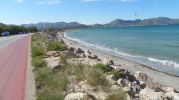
(6, 33)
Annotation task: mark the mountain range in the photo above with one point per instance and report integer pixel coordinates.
(114, 23)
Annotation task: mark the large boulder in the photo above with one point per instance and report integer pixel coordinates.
(111, 79)
(77, 96)
(134, 88)
(141, 76)
(87, 53)
(79, 51)
(52, 62)
(71, 50)
(167, 89)
(149, 94)
(172, 96)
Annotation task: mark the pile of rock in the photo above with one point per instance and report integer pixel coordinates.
(137, 85)
(137, 88)
(84, 91)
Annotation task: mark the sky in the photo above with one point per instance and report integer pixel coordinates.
(84, 11)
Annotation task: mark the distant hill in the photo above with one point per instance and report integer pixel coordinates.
(57, 25)
(115, 23)
(138, 22)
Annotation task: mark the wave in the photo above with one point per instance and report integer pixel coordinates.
(157, 64)
(165, 62)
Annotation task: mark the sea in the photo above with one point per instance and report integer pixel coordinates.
(153, 46)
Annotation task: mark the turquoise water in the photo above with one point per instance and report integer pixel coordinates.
(155, 46)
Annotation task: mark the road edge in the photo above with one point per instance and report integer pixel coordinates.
(30, 90)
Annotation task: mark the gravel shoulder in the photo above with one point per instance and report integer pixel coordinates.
(30, 90)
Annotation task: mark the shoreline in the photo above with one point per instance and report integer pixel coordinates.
(156, 75)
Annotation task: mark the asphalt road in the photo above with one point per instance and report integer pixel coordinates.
(13, 63)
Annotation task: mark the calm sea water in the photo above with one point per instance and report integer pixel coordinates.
(155, 46)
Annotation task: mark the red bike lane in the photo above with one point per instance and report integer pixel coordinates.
(13, 63)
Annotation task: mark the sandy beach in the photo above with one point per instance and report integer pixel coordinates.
(157, 76)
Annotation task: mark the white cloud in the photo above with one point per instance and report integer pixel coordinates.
(49, 2)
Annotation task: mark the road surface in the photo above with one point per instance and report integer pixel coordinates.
(13, 63)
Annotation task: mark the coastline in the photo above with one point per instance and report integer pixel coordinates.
(167, 79)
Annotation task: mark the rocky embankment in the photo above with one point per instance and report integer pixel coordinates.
(136, 86)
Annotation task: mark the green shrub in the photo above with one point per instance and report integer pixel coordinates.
(79, 72)
(56, 46)
(40, 76)
(63, 59)
(103, 67)
(37, 62)
(96, 78)
(117, 74)
(35, 37)
(50, 96)
(38, 51)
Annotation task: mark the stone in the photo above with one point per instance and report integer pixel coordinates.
(142, 84)
(134, 88)
(141, 76)
(167, 89)
(126, 89)
(172, 96)
(52, 62)
(98, 95)
(79, 51)
(111, 79)
(87, 53)
(93, 57)
(70, 88)
(108, 61)
(124, 73)
(53, 53)
(77, 96)
(111, 62)
(115, 67)
(131, 78)
(125, 82)
(119, 82)
(149, 94)
(71, 50)
(115, 88)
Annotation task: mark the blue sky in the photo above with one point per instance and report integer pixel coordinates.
(84, 11)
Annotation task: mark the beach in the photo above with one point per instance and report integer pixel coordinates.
(157, 76)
